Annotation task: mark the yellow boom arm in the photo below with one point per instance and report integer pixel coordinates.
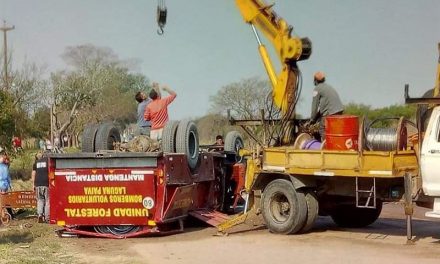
(289, 50)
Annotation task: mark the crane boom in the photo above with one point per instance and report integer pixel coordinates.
(289, 49)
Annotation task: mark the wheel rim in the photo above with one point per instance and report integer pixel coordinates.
(280, 208)
(6, 218)
(112, 140)
(192, 145)
(117, 230)
(238, 145)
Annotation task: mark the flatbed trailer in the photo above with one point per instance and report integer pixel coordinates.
(328, 163)
(292, 186)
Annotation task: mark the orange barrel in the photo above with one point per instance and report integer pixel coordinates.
(341, 132)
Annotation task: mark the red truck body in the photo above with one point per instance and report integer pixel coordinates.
(129, 194)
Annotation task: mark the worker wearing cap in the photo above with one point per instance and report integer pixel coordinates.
(326, 102)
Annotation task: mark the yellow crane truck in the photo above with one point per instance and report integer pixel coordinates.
(290, 184)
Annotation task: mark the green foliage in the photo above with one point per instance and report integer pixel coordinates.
(97, 87)
(21, 165)
(39, 125)
(7, 119)
(382, 115)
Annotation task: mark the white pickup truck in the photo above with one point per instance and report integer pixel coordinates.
(428, 124)
(430, 161)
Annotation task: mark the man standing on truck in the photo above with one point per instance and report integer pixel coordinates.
(40, 180)
(143, 101)
(157, 110)
(326, 102)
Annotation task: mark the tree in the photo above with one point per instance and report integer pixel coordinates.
(39, 125)
(7, 118)
(381, 116)
(28, 88)
(99, 86)
(211, 125)
(245, 98)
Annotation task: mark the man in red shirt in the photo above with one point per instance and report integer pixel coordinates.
(16, 143)
(157, 110)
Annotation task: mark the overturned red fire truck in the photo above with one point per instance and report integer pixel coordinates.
(124, 194)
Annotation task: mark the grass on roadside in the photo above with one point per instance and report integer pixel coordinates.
(24, 240)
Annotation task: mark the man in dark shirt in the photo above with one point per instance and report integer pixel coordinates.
(143, 101)
(326, 102)
(40, 179)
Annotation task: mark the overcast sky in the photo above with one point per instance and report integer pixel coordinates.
(368, 48)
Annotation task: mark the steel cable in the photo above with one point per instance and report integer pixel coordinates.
(382, 139)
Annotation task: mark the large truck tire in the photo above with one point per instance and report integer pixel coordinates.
(312, 211)
(88, 138)
(105, 137)
(187, 142)
(284, 208)
(169, 137)
(233, 141)
(348, 215)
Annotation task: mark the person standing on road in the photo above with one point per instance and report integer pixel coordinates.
(144, 125)
(157, 110)
(326, 102)
(5, 181)
(40, 180)
(5, 178)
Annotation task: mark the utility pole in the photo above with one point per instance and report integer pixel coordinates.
(5, 50)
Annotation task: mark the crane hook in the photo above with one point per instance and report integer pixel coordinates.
(161, 16)
(160, 31)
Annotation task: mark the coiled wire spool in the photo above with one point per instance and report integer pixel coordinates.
(382, 139)
(386, 139)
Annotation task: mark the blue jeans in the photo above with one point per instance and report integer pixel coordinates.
(145, 131)
(43, 206)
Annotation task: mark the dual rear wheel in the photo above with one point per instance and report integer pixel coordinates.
(287, 210)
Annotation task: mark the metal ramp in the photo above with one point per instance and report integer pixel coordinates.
(209, 216)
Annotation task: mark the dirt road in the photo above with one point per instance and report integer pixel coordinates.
(382, 242)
